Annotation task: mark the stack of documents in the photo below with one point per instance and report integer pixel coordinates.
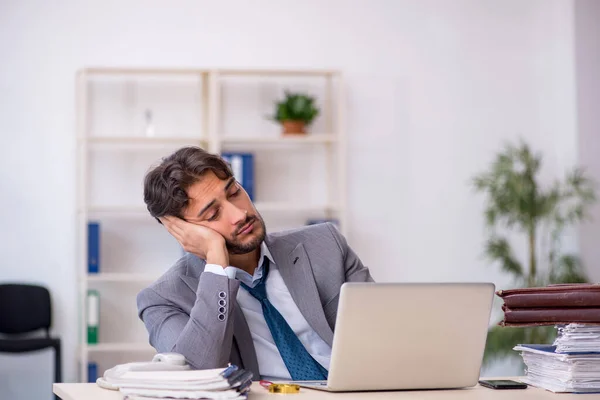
(571, 364)
(578, 338)
(221, 384)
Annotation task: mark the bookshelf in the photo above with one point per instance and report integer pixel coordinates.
(297, 177)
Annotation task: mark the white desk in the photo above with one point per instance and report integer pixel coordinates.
(91, 391)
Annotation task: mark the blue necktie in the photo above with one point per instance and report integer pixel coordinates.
(300, 364)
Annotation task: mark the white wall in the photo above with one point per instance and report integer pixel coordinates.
(433, 88)
(587, 47)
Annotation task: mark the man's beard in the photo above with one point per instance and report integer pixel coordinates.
(234, 247)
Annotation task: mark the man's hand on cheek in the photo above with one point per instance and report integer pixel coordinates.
(204, 242)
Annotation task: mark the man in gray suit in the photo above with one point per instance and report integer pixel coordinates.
(216, 305)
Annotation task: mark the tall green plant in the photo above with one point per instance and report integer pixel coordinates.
(517, 202)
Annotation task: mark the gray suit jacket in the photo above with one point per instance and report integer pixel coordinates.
(196, 314)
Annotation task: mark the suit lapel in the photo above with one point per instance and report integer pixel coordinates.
(298, 276)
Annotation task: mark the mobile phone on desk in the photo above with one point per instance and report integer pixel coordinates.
(502, 384)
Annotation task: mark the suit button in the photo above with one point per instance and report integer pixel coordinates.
(222, 303)
(222, 310)
(221, 317)
(222, 294)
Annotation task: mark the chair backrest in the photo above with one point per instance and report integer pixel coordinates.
(24, 308)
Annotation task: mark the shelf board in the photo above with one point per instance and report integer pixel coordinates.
(278, 72)
(121, 277)
(141, 140)
(220, 71)
(142, 71)
(119, 211)
(118, 347)
(300, 139)
(141, 211)
(120, 141)
(292, 207)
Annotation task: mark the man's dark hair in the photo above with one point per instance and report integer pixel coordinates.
(166, 185)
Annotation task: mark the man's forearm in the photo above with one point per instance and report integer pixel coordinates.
(206, 339)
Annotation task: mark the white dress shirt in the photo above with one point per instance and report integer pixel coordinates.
(270, 363)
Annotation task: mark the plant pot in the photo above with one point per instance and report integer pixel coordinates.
(293, 128)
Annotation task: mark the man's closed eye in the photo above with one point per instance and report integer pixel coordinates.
(214, 216)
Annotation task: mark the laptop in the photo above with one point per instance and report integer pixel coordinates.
(399, 336)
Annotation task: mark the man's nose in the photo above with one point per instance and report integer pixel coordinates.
(237, 215)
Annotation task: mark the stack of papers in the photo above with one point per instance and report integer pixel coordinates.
(577, 338)
(571, 364)
(220, 384)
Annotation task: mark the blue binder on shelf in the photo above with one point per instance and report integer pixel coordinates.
(92, 372)
(93, 247)
(242, 166)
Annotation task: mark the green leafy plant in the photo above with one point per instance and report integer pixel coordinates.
(296, 107)
(517, 201)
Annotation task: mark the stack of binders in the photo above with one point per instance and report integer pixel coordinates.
(551, 305)
(572, 362)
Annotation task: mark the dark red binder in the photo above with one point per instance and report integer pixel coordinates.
(551, 305)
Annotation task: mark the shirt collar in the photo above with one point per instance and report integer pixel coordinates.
(264, 252)
(251, 280)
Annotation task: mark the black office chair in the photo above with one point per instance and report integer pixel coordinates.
(23, 310)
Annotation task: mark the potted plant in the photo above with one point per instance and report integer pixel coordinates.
(295, 112)
(517, 201)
